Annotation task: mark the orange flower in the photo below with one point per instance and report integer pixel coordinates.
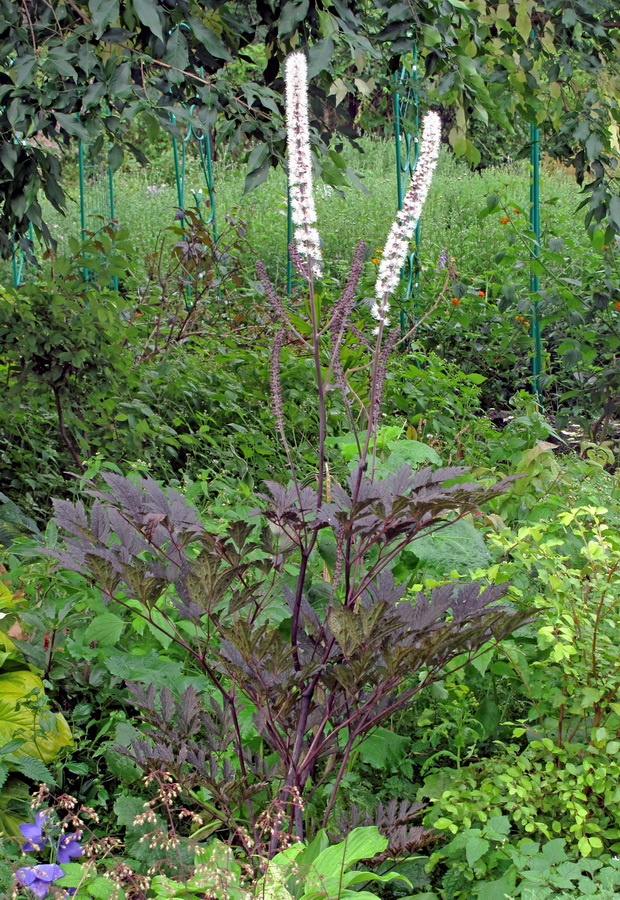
(519, 318)
(617, 304)
(526, 323)
(516, 210)
(455, 301)
(481, 293)
(376, 261)
(504, 220)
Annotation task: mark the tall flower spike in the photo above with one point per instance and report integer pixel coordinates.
(403, 228)
(299, 162)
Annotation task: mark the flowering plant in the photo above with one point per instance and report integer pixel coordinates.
(320, 676)
(41, 834)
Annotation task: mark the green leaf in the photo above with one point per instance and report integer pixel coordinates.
(408, 453)
(569, 17)
(524, 21)
(293, 12)
(31, 768)
(209, 39)
(258, 175)
(45, 733)
(23, 68)
(594, 145)
(115, 157)
(104, 13)
(459, 546)
(72, 125)
(146, 11)
(383, 749)
(104, 629)
(494, 890)
(75, 875)
(489, 716)
(319, 56)
(614, 212)
(176, 53)
(475, 849)
(553, 851)
(361, 843)
(101, 888)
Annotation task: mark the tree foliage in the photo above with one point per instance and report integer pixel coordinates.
(78, 70)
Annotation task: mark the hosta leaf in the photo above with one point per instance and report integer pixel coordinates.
(46, 732)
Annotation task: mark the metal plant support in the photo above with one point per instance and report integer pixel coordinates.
(180, 148)
(19, 261)
(96, 198)
(406, 101)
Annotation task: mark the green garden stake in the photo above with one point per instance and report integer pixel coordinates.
(203, 143)
(535, 331)
(96, 200)
(18, 260)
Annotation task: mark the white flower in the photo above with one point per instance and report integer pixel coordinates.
(303, 211)
(403, 228)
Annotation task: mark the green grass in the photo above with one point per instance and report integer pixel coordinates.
(451, 216)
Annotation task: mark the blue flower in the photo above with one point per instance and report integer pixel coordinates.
(39, 878)
(33, 831)
(68, 846)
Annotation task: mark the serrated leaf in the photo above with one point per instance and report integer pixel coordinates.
(475, 848)
(31, 768)
(104, 629)
(101, 888)
(383, 749)
(459, 546)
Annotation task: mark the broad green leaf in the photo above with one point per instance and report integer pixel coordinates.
(361, 843)
(293, 12)
(146, 11)
(319, 56)
(46, 732)
(104, 629)
(257, 176)
(524, 21)
(475, 848)
(459, 546)
(209, 39)
(104, 13)
(383, 749)
(614, 212)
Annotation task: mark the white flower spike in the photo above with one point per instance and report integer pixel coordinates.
(403, 228)
(303, 210)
